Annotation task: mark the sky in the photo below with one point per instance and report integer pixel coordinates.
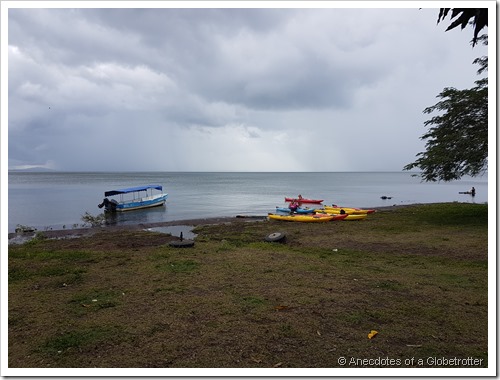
(226, 88)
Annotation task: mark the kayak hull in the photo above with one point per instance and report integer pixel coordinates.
(303, 200)
(335, 216)
(298, 210)
(346, 216)
(301, 218)
(348, 210)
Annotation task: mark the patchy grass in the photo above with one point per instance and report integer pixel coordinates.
(417, 275)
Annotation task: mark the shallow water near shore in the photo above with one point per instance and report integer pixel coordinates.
(186, 231)
(57, 200)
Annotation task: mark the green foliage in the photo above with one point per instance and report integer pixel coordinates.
(39, 236)
(94, 221)
(479, 18)
(458, 139)
(482, 61)
(457, 142)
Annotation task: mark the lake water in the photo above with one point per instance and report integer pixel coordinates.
(58, 199)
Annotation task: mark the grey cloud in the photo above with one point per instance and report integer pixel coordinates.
(252, 76)
(288, 77)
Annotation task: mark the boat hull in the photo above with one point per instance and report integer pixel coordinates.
(141, 204)
(135, 204)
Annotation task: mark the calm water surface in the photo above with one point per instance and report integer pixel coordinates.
(56, 199)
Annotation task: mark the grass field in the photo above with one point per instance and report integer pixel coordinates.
(418, 275)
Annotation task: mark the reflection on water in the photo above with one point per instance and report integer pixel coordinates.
(187, 231)
(148, 215)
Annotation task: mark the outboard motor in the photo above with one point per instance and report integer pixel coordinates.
(109, 205)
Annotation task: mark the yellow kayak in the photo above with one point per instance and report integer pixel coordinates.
(301, 217)
(348, 210)
(348, 217)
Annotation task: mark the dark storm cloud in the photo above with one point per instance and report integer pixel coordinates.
(97, 80)
(186, 44)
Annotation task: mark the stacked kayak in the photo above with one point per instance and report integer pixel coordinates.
(335, 216)
(299, 210)
(323, 213)
(346, 216)
(347, 210)
(307, 218)
(301, 218)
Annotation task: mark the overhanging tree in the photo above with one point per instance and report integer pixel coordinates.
(478, 17)
(457, 140)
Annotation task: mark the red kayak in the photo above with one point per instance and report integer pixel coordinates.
(303, 200)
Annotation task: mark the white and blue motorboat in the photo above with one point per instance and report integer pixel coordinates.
(142, 197)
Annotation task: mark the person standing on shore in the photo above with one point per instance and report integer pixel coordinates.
(473, 191)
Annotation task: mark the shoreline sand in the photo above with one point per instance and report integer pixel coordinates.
(88, 231)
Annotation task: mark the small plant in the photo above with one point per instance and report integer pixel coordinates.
(39, 236)
(94, 221)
